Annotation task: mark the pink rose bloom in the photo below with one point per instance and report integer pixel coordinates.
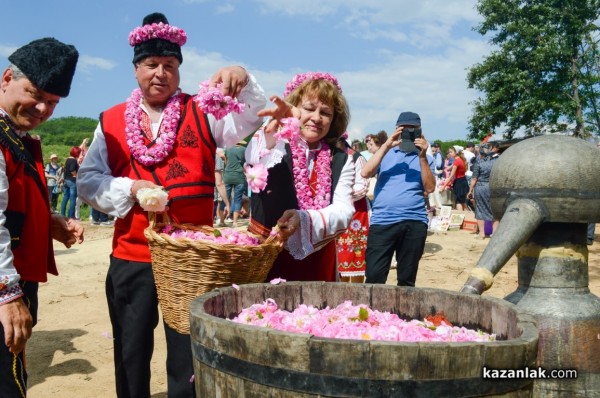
(290, 129)
(256, 176)
(211, 100)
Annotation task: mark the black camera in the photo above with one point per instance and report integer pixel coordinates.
(414, 132)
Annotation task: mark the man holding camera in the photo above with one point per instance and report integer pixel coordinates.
(398, 222)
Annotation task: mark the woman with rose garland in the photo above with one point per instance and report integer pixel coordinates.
(308, 192)
(158, 137)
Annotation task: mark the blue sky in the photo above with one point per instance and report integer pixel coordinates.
(389, 55)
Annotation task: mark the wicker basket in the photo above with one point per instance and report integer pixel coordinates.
(185, 269)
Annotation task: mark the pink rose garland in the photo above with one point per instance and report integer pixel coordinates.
(302, 77)
(157, 31)
(322, 165)
(211, 100)
(166, 136)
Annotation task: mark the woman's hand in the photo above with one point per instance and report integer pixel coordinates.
(281, 110)
(288, 224)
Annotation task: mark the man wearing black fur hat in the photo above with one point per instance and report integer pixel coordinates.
(158, 137)
(398, 222)
(40, 74)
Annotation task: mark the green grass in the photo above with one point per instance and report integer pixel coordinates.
(61, 150)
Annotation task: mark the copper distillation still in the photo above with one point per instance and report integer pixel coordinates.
(545, 190)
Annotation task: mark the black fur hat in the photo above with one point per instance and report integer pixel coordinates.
(47, 63)
(156, 47)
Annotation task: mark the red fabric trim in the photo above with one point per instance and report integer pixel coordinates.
(256, 228)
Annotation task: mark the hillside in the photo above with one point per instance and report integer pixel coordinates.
(60, 134)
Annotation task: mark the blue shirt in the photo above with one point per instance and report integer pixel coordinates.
(399, 192)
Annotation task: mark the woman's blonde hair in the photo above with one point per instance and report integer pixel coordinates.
(329, 94)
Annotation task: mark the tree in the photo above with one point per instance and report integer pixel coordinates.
(543, 74)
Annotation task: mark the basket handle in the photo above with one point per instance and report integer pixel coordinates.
(274, 236)
(153, 218)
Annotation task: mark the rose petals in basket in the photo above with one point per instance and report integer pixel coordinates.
(225, 235)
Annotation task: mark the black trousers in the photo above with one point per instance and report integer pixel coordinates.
(406, 239)
(133, 310)
(13, 374)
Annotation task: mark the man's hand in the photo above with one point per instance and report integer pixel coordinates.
(232, 78)
(139, 184)
(422, 144)
(393, 139)
(66, 230)
(17, 323)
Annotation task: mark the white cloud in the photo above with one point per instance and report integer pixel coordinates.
(312, 8)
(6, 51)
(225, 8)
(433, 86)
(386, 12)
(200, 66)
(427, 76)
(88, 63)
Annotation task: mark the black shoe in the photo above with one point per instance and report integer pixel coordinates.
(590, 242)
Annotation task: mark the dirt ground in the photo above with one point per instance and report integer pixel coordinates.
(70, 353)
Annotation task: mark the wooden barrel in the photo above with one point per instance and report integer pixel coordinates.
(235, 360)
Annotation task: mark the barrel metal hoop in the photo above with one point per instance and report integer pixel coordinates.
(339, 386)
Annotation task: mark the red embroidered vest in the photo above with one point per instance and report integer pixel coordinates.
(28, 210)
(187, 173)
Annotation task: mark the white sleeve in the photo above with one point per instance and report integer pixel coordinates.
(361, 184)
(96, 185)
(319, 227)
(257, 152)
(235, 127)
(8, 274)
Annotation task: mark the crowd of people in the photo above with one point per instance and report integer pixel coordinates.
(341, 211)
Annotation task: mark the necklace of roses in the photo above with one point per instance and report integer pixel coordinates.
(134, 130)
(322, 166)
